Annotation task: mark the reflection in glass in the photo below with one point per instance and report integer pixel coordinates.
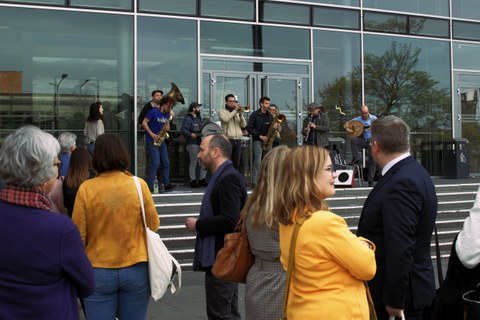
(254, 40)
(329, 17)
(355, 3)
(396, 23)
(56, 2)
(187, 7)
(109, 4)
(166, 53)
(466, 30)
(433, 7)
(47, 79)
(235, 9)
(337, 81)
(465, 56)
(466, 9)
(284, 13)
(410, 78)
(281, 68)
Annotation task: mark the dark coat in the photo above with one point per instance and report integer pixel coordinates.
(323, 128)
(399, 216)
(228, 198)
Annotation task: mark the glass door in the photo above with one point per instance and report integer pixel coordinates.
(466, 120)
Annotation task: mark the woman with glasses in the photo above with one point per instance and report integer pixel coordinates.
(56, 193)
(330, 263)
(43, 265)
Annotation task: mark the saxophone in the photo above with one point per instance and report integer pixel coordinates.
(272, 132)
(163, 134)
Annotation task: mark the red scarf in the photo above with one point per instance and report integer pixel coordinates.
(25, 196)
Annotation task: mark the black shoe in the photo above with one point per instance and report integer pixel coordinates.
(203, 183)
(370, 183)
(170, 186)
(194, 184)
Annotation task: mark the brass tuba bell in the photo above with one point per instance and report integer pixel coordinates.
(176, 94)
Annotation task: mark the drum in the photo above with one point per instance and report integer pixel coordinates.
(210, 128)
(357, 128)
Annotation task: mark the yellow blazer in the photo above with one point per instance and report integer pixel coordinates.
(108, 214)
(331, 264)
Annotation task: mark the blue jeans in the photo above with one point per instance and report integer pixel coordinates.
(158, 155)
(122, 293)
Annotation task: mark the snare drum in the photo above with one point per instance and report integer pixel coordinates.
(210, 128)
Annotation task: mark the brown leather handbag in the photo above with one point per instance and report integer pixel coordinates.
(235, 259)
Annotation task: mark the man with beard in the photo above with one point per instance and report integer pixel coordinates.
(224, 198)
(233, 122)
(191, 126)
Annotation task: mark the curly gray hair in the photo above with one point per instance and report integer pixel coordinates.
(67, 140)
(27, 156)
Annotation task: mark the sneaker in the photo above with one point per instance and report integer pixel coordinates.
(170, 186)
(194, 184)
(203, 183)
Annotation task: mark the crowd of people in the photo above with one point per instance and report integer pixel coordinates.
(91, 247)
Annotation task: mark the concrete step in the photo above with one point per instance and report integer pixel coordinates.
(454, 203)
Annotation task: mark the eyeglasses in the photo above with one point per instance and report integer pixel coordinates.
(58, 165)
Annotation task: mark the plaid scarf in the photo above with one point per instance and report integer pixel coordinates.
(25, 196)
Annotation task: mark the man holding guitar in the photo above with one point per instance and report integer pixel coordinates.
(359, 130)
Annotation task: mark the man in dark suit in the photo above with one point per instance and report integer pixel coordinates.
(224, 198)
(399, 217)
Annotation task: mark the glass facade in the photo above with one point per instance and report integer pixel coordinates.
(57, 57)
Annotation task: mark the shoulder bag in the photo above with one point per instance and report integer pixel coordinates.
(162, 266)
(235, 259)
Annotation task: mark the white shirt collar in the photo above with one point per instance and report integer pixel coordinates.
(389, 165)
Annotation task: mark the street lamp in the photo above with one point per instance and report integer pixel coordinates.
(98, 87)
(55, 99)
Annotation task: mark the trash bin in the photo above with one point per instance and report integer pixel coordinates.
(337, 152)
(432, 157)
(456, 158)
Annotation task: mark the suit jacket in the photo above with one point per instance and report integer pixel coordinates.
(399, 216)
(228, 198)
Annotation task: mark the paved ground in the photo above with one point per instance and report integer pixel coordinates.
(188, 303)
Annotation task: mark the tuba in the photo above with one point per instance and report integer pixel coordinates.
(272, 132)
(177, 96)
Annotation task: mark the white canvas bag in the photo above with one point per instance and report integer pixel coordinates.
(160, 262)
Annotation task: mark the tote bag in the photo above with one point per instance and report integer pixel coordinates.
(162, 266)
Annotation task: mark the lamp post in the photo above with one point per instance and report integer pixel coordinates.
(55, 99)
(97, 86)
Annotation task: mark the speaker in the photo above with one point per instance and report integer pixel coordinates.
(345, 179)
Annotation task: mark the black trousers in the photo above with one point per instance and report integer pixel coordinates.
(236, 153)
(222, 298)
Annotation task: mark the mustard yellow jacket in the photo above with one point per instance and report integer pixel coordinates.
(331, 264)
(108, 214)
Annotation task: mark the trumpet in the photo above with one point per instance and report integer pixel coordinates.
(245, 109)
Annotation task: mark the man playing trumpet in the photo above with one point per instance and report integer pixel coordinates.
(363, 142)
(233, 122)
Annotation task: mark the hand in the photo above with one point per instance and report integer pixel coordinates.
(275, 125)
(349, 130)
(394, 312)
(193, 135)
(190, 224)
(155, 138)
(167, 126)
(263, 138)
(313, 125)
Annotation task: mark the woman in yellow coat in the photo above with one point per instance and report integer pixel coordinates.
(331, 263)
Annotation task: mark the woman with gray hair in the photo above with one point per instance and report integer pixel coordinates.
(43, 266)
(68, 143)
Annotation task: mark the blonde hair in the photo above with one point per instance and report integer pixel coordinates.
(264, 195)
(299, 190)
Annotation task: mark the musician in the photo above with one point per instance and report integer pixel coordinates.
(316, 126)
(191, 126)
(275, 111)
(154, 121)
(232, 122)
(258, 126)
(363, 142)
